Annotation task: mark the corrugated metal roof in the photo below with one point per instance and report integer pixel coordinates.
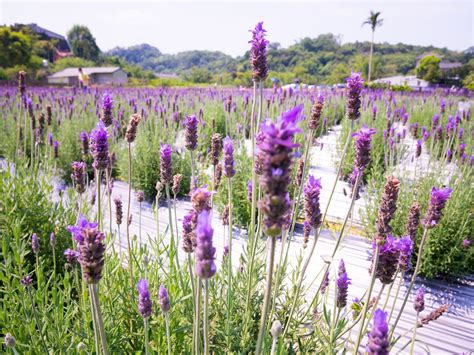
(37, 29)
(68, 72)
(444, 65)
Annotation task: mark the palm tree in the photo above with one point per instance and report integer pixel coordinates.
(374, 21)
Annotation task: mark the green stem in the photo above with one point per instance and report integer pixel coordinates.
(374, 307)
(54, 263)
(229, 271)
(412, 346)
(107, 179)
(267, 297)
(99, 214)
(206, 317)
(251, 232)
(191, 277)
(129, 246)
(100, 321)
(38, 324)
(146, 335)
(168, 337)
(157, 218)
(274, 346)
(94, 322)
(400, 280)
(170, 216)
(197, 316)
(317, 232)
(193, 171)
(366, 304)
(140, 225)
(390, 289)
(413, 278)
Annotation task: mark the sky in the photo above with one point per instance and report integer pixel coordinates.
(177, 26)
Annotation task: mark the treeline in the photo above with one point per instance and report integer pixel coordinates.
(321, 60)
(22, 49)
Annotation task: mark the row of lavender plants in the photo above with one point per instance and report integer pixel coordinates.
(76, 278)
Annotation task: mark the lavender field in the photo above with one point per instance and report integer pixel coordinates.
(236, 220)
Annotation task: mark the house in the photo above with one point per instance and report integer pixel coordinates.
(410, 80)
(97, 76)
(61, 45)
(445, 67)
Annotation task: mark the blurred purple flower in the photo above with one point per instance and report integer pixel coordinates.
(258, 53)
(228, 158)
(438, 200)
(144, 300)
(164, 299)
(378, 343)
(99, 147)
(363, 140)
(205, 251)
(354, 88)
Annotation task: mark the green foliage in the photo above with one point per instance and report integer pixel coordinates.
(15, 48)
(74, 62)
(29, 204)
(428, 69)
(146, 158)
(83, 43)
(142, 54)
(373, 20)
(168, 82)
(197, 75)
(468, 82)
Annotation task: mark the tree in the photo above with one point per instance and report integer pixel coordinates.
(338, 74)
(374, 21)
(83, 43)
(428, 69)
(15, 48)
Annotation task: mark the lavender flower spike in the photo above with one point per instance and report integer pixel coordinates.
(419, 303)
(91, 248)
(316, 111)
(191, 136)
(216, 148)
(189, 236)
(438, 200)
(276, 155)
(228, 158)
(205, 251)
(354, 88)
(258, 53)
(84, 144)
(131, 132)
(405, 249)
(311, 201)
(166, 173)
(144, 300)
(118, 210)
(99, 147)
(249, 190)
(363, 140)
(78, 175)
(107, 104)
(387, 208)
(163, 299)
(413, 220)
(35, 243)
(52, 240)
(342, 284)
(378, 343)
(388, 261)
